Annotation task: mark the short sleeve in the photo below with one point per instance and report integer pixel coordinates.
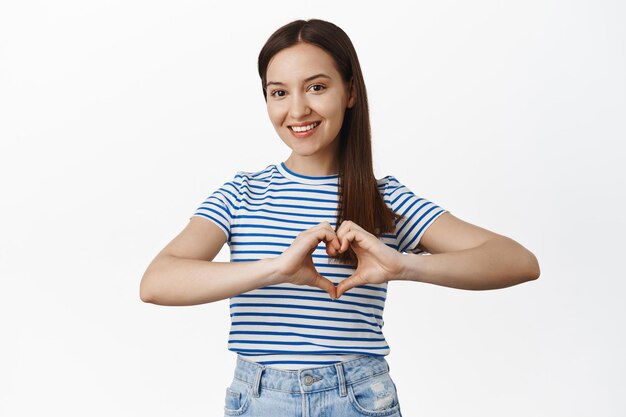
(221, 206)
(419, 213)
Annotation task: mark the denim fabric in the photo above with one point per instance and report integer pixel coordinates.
(359, 387)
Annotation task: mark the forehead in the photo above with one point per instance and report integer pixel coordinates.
(300, 61)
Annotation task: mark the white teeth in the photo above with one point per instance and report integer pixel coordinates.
(304, 128)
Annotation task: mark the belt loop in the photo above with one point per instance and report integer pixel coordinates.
(257, 380)
(342, 380)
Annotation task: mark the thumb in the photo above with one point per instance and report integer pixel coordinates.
(326, 285)
(346, 284)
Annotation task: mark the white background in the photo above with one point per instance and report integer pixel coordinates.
(117, 119)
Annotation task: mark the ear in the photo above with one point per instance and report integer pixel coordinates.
(352, 91)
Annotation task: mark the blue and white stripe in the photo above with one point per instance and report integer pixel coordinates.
(292, 326)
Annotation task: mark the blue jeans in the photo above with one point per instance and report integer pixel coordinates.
(359, 387)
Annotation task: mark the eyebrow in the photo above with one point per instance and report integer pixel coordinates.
(312, 77)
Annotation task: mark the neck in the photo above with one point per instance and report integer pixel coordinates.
(311, 166)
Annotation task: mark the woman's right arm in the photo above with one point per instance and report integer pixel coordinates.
(184, 273)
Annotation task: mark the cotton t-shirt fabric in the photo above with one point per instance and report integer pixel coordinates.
(291, 326)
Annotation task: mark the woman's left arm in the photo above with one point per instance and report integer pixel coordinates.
(466, 256)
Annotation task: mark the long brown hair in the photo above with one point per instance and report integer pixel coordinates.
(359, 198)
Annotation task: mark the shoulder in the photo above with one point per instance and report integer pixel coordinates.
(391, 188)
(242, 178)
(384, 182)
(389, 181)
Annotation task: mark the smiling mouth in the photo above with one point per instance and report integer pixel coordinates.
(304, 129)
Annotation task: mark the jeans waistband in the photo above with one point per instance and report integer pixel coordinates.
(310, 379)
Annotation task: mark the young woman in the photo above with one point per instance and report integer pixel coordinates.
(314, 241)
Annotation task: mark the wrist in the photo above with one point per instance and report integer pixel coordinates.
(410, 265)
(272, 271)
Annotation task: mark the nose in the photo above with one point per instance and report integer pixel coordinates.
(299, 106)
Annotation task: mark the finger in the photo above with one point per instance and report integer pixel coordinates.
(347, 284)
(352, 232)
(326, 285)
(341, 232)
(326, 225)
(347, 225)
(313, 236)
(344, 229)
(335, 241)
(326, 232)
(328, 236)
(347, 238)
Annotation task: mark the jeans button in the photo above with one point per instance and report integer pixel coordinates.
(308, 380)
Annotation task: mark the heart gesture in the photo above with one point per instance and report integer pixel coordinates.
(295, 264)
(377, 262)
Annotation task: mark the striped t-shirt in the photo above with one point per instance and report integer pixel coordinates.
(291, 326)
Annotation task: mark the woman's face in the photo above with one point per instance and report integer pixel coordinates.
(304, 88)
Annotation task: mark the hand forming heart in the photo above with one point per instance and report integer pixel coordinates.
(377, 262)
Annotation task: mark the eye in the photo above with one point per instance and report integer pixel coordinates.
(273, 93)
(319, 85)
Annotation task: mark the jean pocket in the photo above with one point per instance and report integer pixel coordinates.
(238, 395)
(374, 396)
